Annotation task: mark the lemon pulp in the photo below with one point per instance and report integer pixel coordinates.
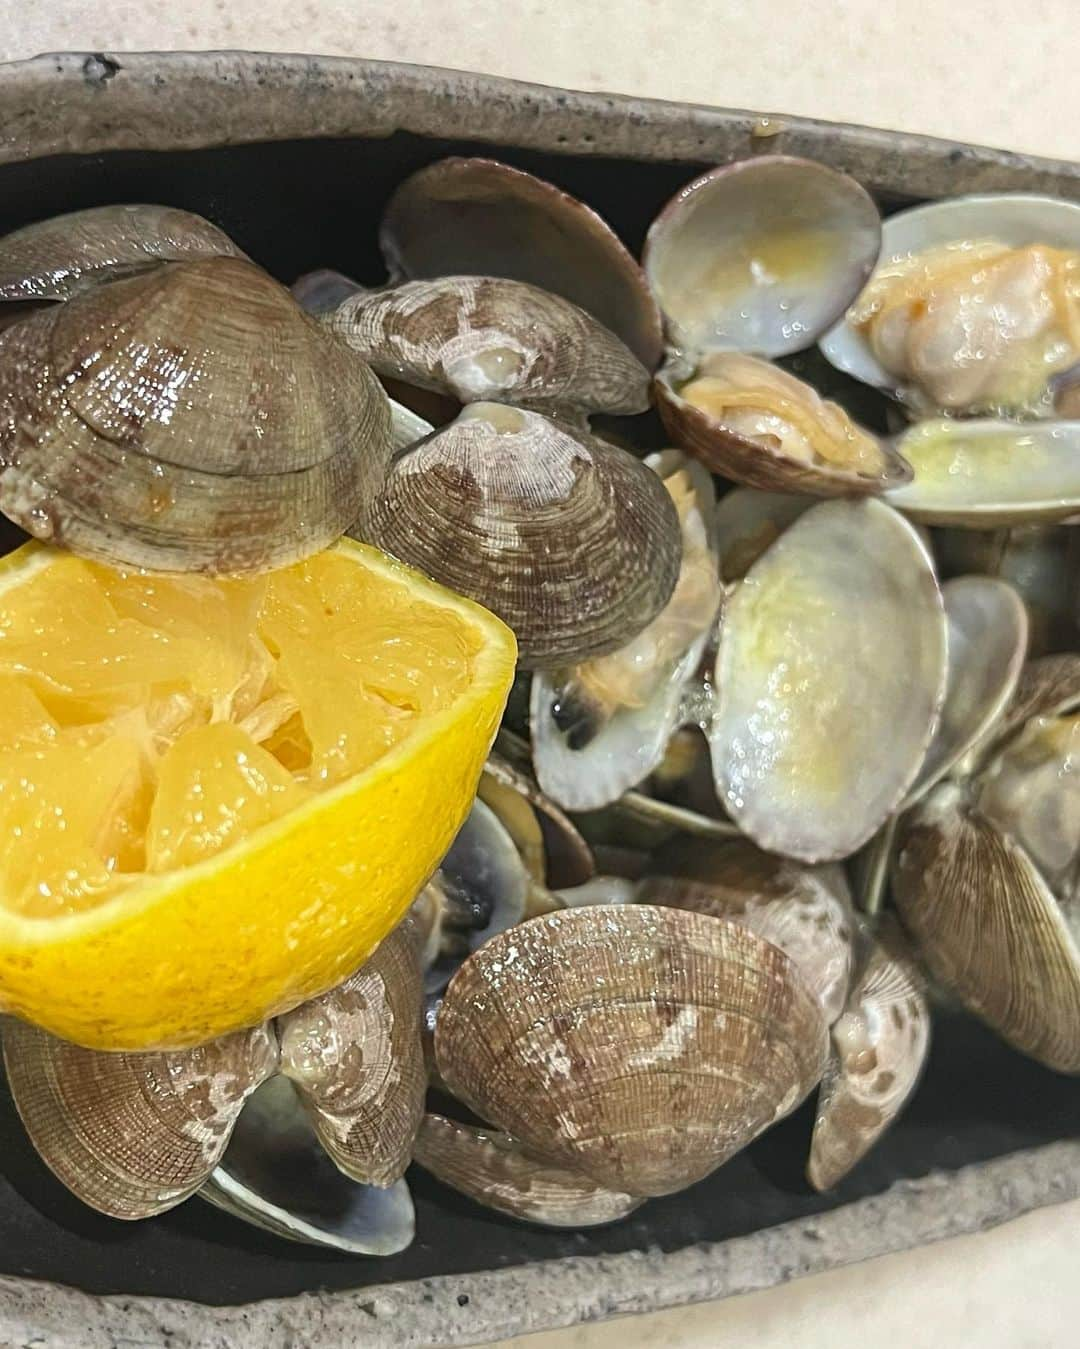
(149, 722)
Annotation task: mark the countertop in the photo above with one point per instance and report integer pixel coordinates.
(999, 72)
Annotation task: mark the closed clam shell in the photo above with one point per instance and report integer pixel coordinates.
(477, 216)
(489, 338)
(275, 1176)
(805, 911)
(132, 1134)
(985, 474)
(761, 255)
(639, 1046)
(989, 927)
(831, 672)
(759, 425)
(356, 1057)
(574, 543)
(879, 1047)
(56, 258)
(495, 1170)
(188, 419)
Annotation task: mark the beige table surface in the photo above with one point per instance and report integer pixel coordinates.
(1002, 72)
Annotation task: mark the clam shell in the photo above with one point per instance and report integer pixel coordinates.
(478, 216)
(988, 926)
(57, 258)
(879, 1048)
(320, 292)
(574, 543)
(805, 911)
(132, 1135)
(495, 1170)
(188, 419)
(632, 741)
(550, 843)
(488, 338)
(356, 1057)
(275, 1176)
(830, 675)
(639, 1046)
(1015, 219)
(984, 473)
(749, 521)
(772, 430)
(988, 631)
(1048, 687)
(761, 255)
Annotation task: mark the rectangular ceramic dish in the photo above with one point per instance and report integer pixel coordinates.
(295, 157)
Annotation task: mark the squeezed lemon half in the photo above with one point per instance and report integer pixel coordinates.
(217, 796)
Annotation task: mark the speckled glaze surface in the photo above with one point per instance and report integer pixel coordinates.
(90, 103)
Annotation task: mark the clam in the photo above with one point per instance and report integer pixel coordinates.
(640, 1047)
(275, 1176)
(494, 1169)
(985, 871)
(747, 522)
(601, 727)
(57, 258)
(135, 1134)
(190, 418)
(1036, 560)
(756, 259)
(804, 911)
(550, 844)
(481, 338)
(572, 542)
(830, 676)
(974, 307)
(322, 291)
(477, 216)
(879, 1047)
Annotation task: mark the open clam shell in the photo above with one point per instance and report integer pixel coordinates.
(481, 338)
(805, 911)
(357, 1057)
(550, 844)
(989, 927)
(276, 1176)
(761, 255)
(574, 543)
(967, 339)
(830, 673)
(748, 521)
(480, 217)
(497, 1171)
(878, 1051)
(759, 425)
(984, 474)
(600, 728)
(128, 418)
(132, 1135)
(639, 1046)
(56, 258)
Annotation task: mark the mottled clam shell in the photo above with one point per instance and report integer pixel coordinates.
(57, 258)
(988, 926)
(760, 460)
(639, 1046)
(830, 674)
(761, 255)
(985, 474)
(482, 338)
(988, 633)
(574, 543)
(132, 1135)
(275, 1176)
(496, 1171)
(356, 1057)
(805, 911)
(879, 1047)
(188, 419)
(480, 217)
